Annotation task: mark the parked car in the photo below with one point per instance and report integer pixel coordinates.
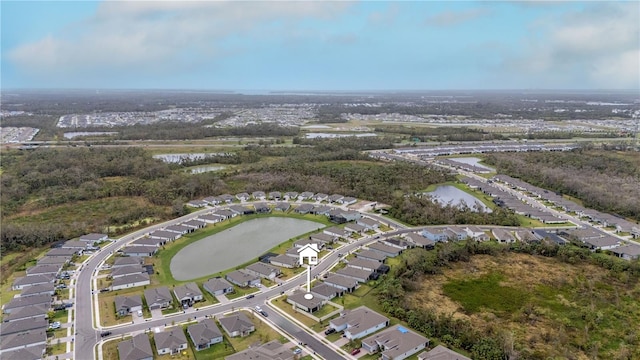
(297, 351)
(355, 351)
(263, 313)
(105, 333)
(55, 325)
(330, 331)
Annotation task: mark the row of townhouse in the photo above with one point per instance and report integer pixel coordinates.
(273, 195)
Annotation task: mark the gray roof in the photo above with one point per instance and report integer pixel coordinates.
(60, 252)
(305, 207)
(53, 260)
(178, 228)
(341, 280)
(325, 290)
(419, 239)
(187, 290)
(355, 273)
(127, 302)
(325, 238)
(216, 284)
(162, 234)
(364, 263)
(126, 261)
(263, 268)
(298, 298)
(194, 223)
(237, 321)
(284, 259)
(396, 340)
(631, 250)
(17, 326)
(360, 319)
(377, 246)
(170, 339)
(23, 339)
(74, 244)
(273, 350)
(28, 301)
(355, 227)
(136, 348)
(441, 353)
(30, 353)
(368, 222)
(240, 277)
(139, 250)
(157, 295)
(37, 289)
(34, 279)
(204, 331)
(44, 269)
(39, 310)
(127, 270)
(93, 237)
(337, 230)
(370, 254)
(130, 279)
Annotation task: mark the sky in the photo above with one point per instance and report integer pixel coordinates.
(320, 45)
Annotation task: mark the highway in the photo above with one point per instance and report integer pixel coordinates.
(88, 335)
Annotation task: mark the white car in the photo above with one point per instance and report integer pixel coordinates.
(55, 325)
(258, 308)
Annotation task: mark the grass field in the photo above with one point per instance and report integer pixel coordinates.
(552, 309)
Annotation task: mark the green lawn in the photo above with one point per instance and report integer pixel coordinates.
(110, 349)
(62, 316)
(240, 292)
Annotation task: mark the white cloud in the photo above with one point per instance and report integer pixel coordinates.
(596, 47)
(154, 36)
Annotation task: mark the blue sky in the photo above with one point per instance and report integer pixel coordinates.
(306, 45)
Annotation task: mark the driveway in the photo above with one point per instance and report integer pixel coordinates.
(222, 299)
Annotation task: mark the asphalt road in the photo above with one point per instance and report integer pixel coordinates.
(87, 336)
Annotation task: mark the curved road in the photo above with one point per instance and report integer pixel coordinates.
(87, 336)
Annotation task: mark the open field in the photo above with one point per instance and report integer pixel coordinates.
(551, 309)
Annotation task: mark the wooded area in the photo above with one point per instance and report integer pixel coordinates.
(608, 181)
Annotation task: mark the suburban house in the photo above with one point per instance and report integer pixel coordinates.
(93, 238)
(306, 195)
(386, 250)
(309, 252)
(158, 298)
(347, 200)
(335, 198)
(164, 235)
(298, 300)
(341, 282)
(441, 353)
(259, 195)
(204, 334)
(212, 200)
(30, 312)
(180, 229)
(365, 264)
(242, 278)
(275, 195)
(273, 350)
(121, 261)
(29, 353)
(211, 218)
(21, 302)
(43, 270)
(502, 235)
(197, 203)
(359, 275)
(237, 324)
(292, 252)
(526, 236)
(130, 281)
(188, 293)
(355, 228)
(284, 261)
(602, 243)
(397, 243)
(218, 286)
(439, 234)
(303, 208)
(291, 196)
(627, 252)
(359, 322)
(150, 241)
(227, 198)
(326, 292)
(26, 281)
(170, 342)
(261, 208)
(635, 232)
(136, 348)
(22, 340)
(19, 326)
(47, 288)
(263, 270)
(322, 239)
(395, 343)
(195, 224)
(282, 206)
(126, 305)
(337, 232)
(53, 260)
(420, 240)
(368, 223)
(139, 250)
(226, 213)
(371, 255)
(321, 210)
(243, 196)
(76, 245)
(240, 210)
(320, 197)
(121, 271)
(476, 233)
(304, 242)
(61, 252)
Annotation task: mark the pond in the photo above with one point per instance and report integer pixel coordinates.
(474, 161)
(236, 245)
(71, 135)
(450, 194)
